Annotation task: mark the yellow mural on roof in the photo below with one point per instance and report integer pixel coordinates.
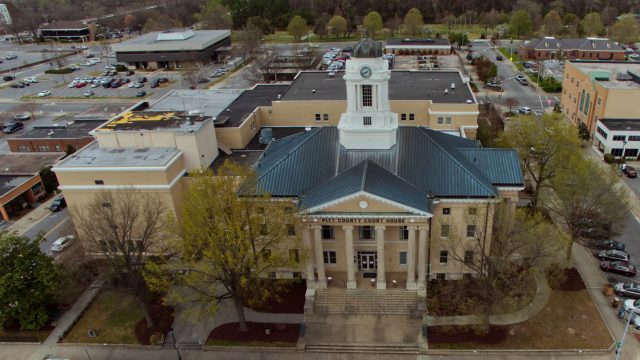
(130, 117)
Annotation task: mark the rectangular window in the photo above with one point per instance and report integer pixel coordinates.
(412, 117)
(329, 257)
(440, 120)
(366, 120)
(444, 231)
(468, 257)
(325, 117)
(291, 230)
(599, 100)
(403, 258)
(327, 232)
(448, 120)
(630, 153)
(367, 233)
(444, 256)
(367, 96)
(317, 117)
(472, 211)
(471, 231)
(616, 152)
(634, 138)
(58, 148)
(43, 148)
(404, 233)
(446, 211)
(99, 182)
(403, 117)
(601, 132)
(294, 256)
(467, 276)
(440, 276)
(23, 148)
(619, 138)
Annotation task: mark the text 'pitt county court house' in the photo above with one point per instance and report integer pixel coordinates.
(381, 165)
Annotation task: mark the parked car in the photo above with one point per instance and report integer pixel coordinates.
(44, 93)
(130, 72)
(527, 64)
(11, 127)
(630, 171)
(613, 255)
(81, 84)
(524, 110)
(154, 85)
(610, 245)
(11, 57)
(632, 305)
(141, 79)
(492, 83)
(499, 58)
(18, 85)
(8, 78)
(31, 80)
(137, 85)
(89, 93)
(163, 80)
(523, 82)
(62, 243)
(141, 93)
(110, 67)
(627, 289)
(21, 117)
(620, 267)
(58, 204)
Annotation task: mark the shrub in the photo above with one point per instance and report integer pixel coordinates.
(121, 68)
(555, 276)
(609, 158)
(58, 71)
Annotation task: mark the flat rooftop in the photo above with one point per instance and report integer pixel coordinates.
(621, 124)
(200, 40)
(261, 95)
(176, 121)
(403, 85)
(27, 163)
(8, 182)
(208, 102)
(94, 156)
(102, 112)
(611, 69)
(419, 42)
(75, 130)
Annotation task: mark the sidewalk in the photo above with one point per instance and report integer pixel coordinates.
(23, 224)
(532, 309)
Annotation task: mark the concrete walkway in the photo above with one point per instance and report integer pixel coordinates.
(536, 305)
(23, 224)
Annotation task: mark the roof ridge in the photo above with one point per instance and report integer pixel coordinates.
(464, 168)
(312, 134)
(398, 176)
(364, 175)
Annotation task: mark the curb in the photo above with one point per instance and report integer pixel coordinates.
(126, 346)
(292, 348)
(551, 352)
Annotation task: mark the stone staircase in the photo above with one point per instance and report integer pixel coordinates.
(362, 302)
(364, 348)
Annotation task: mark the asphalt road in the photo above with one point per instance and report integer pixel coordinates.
(53, 226)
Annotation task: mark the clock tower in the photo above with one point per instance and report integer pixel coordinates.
(368, 122)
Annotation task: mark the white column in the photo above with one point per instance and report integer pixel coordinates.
(351, 274)
(381, 281)
(422, 260)
(411, 258)
(306, 242)
(322, 279)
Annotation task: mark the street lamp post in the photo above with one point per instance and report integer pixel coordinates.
(624, 335)
(175, 343)
(624, 143)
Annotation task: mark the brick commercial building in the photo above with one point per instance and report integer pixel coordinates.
(549, 48)
(20, 182)
(65, 30)
(58, 138)
(173, 48)
(434, 46)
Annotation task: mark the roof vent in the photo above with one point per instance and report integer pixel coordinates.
(307, 129)
(469, 101)
(313, 91)
(279, 96)
(50, 133)
(446, 91)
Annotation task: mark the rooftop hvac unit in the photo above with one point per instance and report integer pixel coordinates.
(266, 134)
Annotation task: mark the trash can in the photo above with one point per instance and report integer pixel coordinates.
(615, 302)
(608, 290)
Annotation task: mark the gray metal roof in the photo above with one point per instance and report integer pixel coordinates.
(419, 42)
(370, 178)
(200, 40)
(431, 161)
(585, 44)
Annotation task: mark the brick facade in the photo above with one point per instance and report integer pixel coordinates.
(47, 145)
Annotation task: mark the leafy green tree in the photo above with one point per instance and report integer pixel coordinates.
(625, 30)
(338, 26)
(520, 23)
(213, 15)
(587, 200)
(413, 22)
(552, 23)
(544, 146)
(259, 22)
(592, 24)
(460, 39)
(583, 132)
(373, 23)
(29, 282)
(485, 69)
(49, 179)
(230, 240)
(297, 27)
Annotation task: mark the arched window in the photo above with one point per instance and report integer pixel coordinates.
(581, 100)
(586, 104)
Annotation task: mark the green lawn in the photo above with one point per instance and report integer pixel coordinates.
(24, 335)
(474, 31)
(113, 315)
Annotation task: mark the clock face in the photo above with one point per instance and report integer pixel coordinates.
(366, 72)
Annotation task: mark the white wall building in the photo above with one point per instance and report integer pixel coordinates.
(617, 135)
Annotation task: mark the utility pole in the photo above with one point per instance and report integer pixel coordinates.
(621, 342)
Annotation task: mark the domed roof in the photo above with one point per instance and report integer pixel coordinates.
(367, 48)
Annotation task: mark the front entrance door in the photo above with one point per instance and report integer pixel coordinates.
(367, 261)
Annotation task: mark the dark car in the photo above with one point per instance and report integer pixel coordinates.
(154, 85)
(163, 80)
(630, 171)
(8, 78)
(18, 85)
(141, 93)
(10, 128)
(613, 255)
(499, 57)
(58, 204)
(628, 290)
(620, 267)
(610, 245)
(142, 79)
(130, 72)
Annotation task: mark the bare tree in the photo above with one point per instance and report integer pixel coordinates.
(191, 78)
(125, 227)
(26, 107)
(305, 58)
(265, 67)
(251, 40)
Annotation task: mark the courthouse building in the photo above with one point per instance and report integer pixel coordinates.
(382, 166)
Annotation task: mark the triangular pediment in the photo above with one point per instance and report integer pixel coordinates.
(363, 202)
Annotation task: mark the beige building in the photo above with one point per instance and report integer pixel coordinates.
(596, 90)
(390, 185)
